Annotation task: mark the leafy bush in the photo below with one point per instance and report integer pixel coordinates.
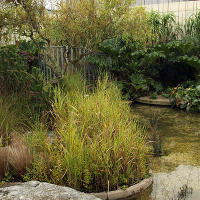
(143, 71)
(174, 62)
(187, 98)
(12, 117)
(18, 66)
(96, 140)
(19, 73)
(170, 56)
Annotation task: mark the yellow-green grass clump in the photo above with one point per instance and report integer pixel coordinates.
(98, 143)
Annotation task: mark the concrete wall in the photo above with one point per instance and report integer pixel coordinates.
(181, 9)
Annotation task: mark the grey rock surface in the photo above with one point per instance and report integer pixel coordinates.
(35, 190)
(183, 183)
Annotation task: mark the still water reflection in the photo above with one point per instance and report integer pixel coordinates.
(177, 169)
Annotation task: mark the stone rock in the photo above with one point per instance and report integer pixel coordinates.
(35, 190)
(183, 183)
(160, 100)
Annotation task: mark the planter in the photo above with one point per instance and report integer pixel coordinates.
(125, 194)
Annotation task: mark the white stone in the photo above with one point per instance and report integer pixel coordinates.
(42, 191)
(167, 185)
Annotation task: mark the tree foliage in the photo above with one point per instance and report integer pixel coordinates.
(24, 18)
(87, 23)
(74, 23)
(77, 24)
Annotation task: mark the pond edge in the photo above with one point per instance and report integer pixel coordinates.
(159, 101)
(124, 194)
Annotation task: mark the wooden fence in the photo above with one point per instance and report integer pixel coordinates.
(59, 60)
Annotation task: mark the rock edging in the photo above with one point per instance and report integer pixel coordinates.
(125, 194)
(35, 190)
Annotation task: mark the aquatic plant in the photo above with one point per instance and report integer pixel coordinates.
(185, 192)
(155, 134)
(97, 141)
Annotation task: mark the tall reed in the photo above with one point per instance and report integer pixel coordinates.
(12, 116)
(192, 25)
(164, 27)
(97, 140)
(3, 161)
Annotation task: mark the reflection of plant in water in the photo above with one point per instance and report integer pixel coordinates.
(154, 120)
(153, 127)
(184, 192)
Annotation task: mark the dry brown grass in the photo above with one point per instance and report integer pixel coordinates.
(19, 156)
(3, 161)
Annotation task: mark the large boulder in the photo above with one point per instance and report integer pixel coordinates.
(183, 183)
(42, 191)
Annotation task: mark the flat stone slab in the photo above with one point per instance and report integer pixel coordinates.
(35, 190)
(160, 100)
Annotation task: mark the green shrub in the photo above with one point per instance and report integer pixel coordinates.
(22, 92)
(20, 74)
(154, 95)
(187, 98)
(18, 67)
(143, 71)
(96, 140)
(12, 117)
(170, 57)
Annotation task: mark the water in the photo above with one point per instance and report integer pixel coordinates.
(176, 172)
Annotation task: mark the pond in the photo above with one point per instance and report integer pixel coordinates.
(176, 173)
